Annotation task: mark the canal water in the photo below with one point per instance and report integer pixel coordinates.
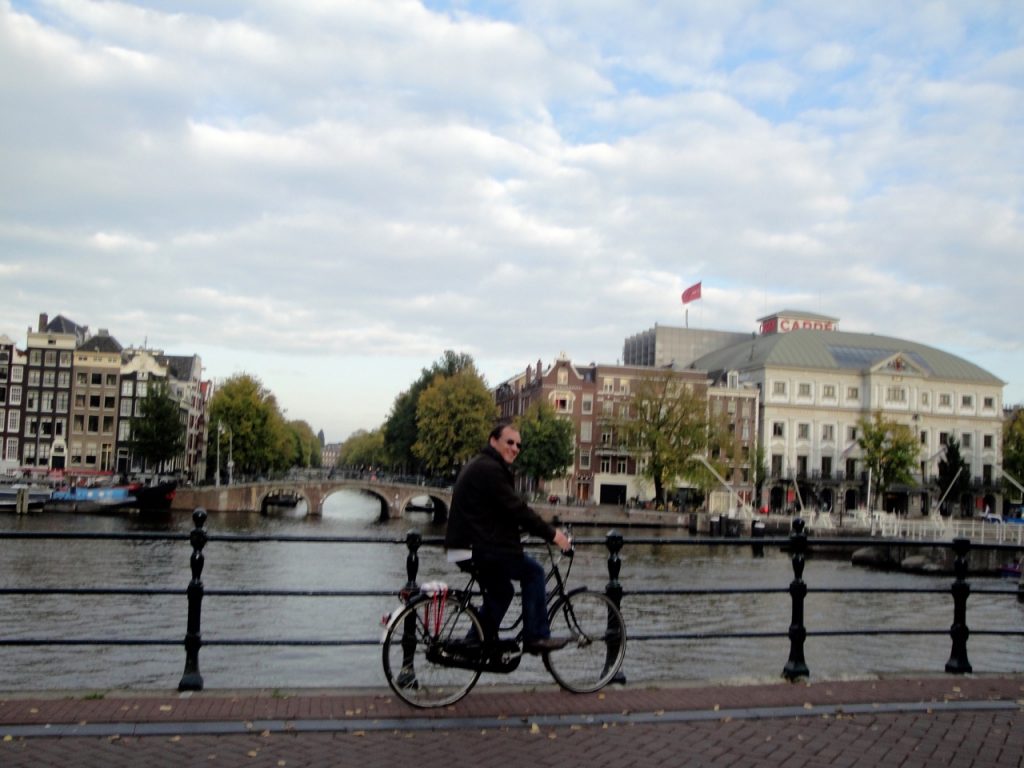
(312, 565)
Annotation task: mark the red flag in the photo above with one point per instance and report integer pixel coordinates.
(692, 293)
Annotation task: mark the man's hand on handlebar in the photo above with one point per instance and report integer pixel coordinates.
(562, 541)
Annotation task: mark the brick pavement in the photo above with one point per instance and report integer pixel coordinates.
(957, 721)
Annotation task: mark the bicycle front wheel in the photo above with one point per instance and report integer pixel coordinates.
(597, 645)
(416, 665)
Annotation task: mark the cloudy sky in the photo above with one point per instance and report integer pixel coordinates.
(328, 194)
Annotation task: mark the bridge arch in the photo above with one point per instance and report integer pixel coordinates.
(393, 498)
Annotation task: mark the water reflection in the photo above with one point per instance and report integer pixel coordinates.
(367, 566)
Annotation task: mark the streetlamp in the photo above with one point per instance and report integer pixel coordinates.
(231, 457)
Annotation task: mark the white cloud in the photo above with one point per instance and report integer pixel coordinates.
(340, 191)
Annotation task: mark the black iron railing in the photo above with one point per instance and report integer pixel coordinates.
(798, 544)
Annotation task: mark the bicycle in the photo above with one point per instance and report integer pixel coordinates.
(434, 651)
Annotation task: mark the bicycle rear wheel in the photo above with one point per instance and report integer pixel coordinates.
(597, 646)
(417, 659)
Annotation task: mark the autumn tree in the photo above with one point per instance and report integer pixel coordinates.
(401, 430)
(363, 449)
(246, 420)
(158, 435)
(665, 428)
(890, 452)
(548, 443)
(453, 418)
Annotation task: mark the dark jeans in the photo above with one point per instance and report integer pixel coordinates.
(495, 574)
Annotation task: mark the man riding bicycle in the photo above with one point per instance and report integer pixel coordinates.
(486, 520)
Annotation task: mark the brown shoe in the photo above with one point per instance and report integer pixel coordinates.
(545, 644)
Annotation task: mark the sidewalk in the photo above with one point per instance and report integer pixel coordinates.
(947, 720)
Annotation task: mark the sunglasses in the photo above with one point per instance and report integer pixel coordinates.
(519, 446)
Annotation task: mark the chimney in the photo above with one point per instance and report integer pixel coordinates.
(43, 322)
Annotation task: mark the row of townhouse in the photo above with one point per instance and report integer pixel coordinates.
(798, 389)
(67, 402)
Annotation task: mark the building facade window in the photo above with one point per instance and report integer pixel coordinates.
(853, 393)
(895, 395)
(779, 388)
(803, 431)
(828, 391)
(778, 429)
(804, 390)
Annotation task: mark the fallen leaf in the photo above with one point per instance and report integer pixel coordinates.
(808, 705)
(175, 738)
(166, 707)
(534, 728)
(253, 753)
(8, 737)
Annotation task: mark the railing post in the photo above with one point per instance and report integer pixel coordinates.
(191, 679)
(796, 667)
(413, 540)
(614, 590)
(958, 631)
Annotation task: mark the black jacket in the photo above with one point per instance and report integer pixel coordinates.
(486, 512)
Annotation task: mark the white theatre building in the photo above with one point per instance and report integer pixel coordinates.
(817, 383)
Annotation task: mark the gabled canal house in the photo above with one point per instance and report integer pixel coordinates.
(94, 410)
(46, 401)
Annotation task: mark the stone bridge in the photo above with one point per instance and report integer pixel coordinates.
(394, 498)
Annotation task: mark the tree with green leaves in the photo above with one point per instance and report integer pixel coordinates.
(246, 421)
(548, 443)
(890, 452)
(453, 418)
(954, 475)
(363, 449)
(401, 430)
(158, 434)
(665, 428)
(1013, 452)
(305, 446)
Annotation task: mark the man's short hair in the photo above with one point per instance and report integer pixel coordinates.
(499, 427)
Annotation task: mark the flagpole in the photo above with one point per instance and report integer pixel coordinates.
(687, 317)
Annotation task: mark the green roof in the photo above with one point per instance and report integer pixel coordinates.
(839, 351)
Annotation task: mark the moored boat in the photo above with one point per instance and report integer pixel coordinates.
(111, 498)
